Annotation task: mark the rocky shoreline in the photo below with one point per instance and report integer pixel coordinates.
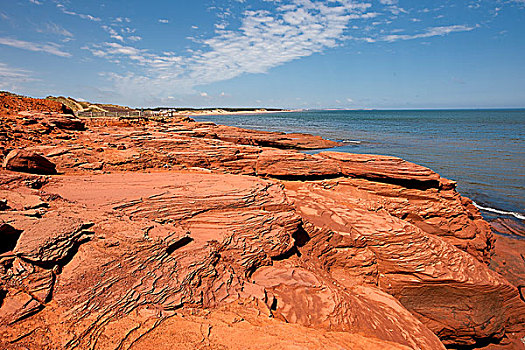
(170, 233)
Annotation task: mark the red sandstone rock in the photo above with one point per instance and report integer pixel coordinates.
(508, 227)
(264, 138)
(239, 326)
(51, 239)
(10, 103)
(438, 212)
(388, 169)
(456, 296)
(174, 241)
(328, 251)
(67, 122)
(28, 162)
(293, 165)
(509, 261)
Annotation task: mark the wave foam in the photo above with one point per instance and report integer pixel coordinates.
(351, 141)
(501, 212)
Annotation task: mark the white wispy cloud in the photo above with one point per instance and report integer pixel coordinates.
(141, 57)
(10, 72)
(429, 32)
(50, 48)
(36, 2)
(121, 33)
(54, 28)
(122, 19)
(81, 15)
(264, 40)
(11, 78)
(393, 7)
(113, 33)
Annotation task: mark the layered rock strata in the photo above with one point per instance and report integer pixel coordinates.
(179, 234)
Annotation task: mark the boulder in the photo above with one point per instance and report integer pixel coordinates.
(28, 162)
(67, 122)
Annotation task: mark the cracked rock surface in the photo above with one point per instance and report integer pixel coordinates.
(176, 234)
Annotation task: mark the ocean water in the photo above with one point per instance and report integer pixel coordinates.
(483, 150)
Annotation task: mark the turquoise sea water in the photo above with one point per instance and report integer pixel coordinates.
(483, 150)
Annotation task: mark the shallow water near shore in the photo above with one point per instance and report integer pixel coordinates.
(483, 150)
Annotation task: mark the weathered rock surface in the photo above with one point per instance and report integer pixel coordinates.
(240, 326)
(508, 227)
(165, 241)
(264, 138)
(455, 295)
(177, 234)
(509, 261)
(10, 103)
(388, 169)
(67, 122)
(51, 239)
(28, 162)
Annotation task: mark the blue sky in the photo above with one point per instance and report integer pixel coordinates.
(273, 53)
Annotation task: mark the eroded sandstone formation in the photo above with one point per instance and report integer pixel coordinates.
(13, 104)
(177, 234)
(28, 162)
